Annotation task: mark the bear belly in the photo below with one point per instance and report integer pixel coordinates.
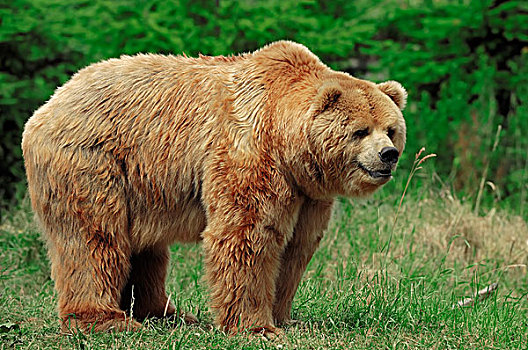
(161, 226)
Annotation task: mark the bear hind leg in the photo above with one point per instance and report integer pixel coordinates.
(83, 210)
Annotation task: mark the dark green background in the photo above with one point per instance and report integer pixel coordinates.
(464, 64)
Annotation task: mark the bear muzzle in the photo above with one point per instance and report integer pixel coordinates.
(382, 174)
(389, 155)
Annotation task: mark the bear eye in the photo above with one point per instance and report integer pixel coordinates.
(361, 133)
(390, 132)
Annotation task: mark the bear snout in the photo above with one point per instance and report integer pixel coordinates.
(389, 155)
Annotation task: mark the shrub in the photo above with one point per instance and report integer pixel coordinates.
(463, 62)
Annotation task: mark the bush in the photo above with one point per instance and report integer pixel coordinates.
(464, 64)
(465, 68)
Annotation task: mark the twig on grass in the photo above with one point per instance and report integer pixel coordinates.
(480, 295)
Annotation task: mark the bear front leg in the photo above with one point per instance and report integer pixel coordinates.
(313, 220)
(250, 215)
(241, 267)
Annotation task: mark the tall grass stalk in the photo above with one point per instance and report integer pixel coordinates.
(523, 188)
(486, 169)
(415, 167)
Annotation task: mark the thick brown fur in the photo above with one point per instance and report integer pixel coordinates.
(245, 153)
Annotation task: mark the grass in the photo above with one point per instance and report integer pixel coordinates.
(359, 291)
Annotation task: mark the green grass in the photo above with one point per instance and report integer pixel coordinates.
(359, 291)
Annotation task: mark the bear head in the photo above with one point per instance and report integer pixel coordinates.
(355, 134)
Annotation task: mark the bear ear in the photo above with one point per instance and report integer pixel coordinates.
(395, 91)
(327, 96)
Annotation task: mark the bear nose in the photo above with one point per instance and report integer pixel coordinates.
(389, 155)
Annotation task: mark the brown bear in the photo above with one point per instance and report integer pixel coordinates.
(245, 153)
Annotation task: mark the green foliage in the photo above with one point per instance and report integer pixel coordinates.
(463, 62)
(465, 67)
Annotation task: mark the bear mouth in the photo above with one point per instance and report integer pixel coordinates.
(377, 174)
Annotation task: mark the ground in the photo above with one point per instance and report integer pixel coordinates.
(368, 286)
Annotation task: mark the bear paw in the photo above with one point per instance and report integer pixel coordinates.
(268, 332)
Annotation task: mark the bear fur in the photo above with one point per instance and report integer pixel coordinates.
(245, 153)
